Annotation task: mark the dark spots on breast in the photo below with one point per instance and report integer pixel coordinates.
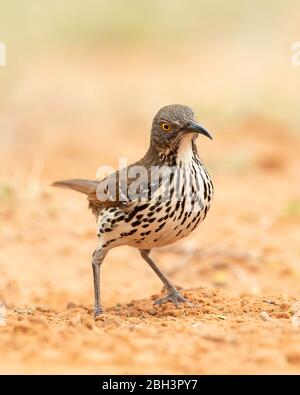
(210, 185)
(136, 223)
(146, 233)
(160, 226)
(154, 206)
(171, 192)
(205, 189)
(108, 243)
(158, 209)
(171, 177)
(142, 207)
(194, 219)
(145, 225)
(177, 234)
(184, 218)
(183, 202)
(135, 211)
(159, 198)
(131, 232)
(205, 211)
(108, 230)
(197, 222)
(139, 216)
(172, 213)
(182, 208)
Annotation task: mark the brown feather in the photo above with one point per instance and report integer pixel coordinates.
(89, 187)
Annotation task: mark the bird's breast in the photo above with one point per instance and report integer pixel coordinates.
(177, 203)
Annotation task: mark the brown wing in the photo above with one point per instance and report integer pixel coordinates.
(112, 191)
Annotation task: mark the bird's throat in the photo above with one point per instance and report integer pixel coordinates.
(183, 151)
(186, 149)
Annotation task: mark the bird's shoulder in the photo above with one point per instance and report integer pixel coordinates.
(116, 190)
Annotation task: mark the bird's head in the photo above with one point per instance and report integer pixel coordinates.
(172, 124)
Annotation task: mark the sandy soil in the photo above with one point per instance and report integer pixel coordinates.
(240, 269)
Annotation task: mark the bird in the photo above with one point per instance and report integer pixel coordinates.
(156, 201)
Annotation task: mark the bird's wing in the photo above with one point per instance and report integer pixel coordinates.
(116, 190)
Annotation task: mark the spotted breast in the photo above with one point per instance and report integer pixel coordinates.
(171, 212)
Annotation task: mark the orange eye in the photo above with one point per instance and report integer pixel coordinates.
(166, 127)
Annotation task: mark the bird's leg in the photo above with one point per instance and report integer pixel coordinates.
(97, 260)
(173, 295)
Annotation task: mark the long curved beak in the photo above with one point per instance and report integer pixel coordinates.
(195, 127)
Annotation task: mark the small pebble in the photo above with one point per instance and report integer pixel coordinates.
(265, 316)
(71, 305)
(43, 309)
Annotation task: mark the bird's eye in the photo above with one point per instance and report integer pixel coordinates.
(165, 126)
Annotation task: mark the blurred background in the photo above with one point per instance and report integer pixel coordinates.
(81, 74)
(82, 82)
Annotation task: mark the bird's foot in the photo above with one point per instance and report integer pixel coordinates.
(97, 311)
(173, 296)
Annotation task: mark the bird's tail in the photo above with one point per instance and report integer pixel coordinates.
(84, 186)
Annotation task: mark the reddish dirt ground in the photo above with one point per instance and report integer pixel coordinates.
(240, 270)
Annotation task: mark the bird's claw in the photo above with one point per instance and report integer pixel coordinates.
(97, 312)
(173, 296)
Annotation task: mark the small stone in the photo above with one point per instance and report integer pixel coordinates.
(43, 308)
(295, 309)
(284, 306)
(71, 305)
(75, 320)
(87, 322)
(293, 357)
(283, 315)
(265, 316)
